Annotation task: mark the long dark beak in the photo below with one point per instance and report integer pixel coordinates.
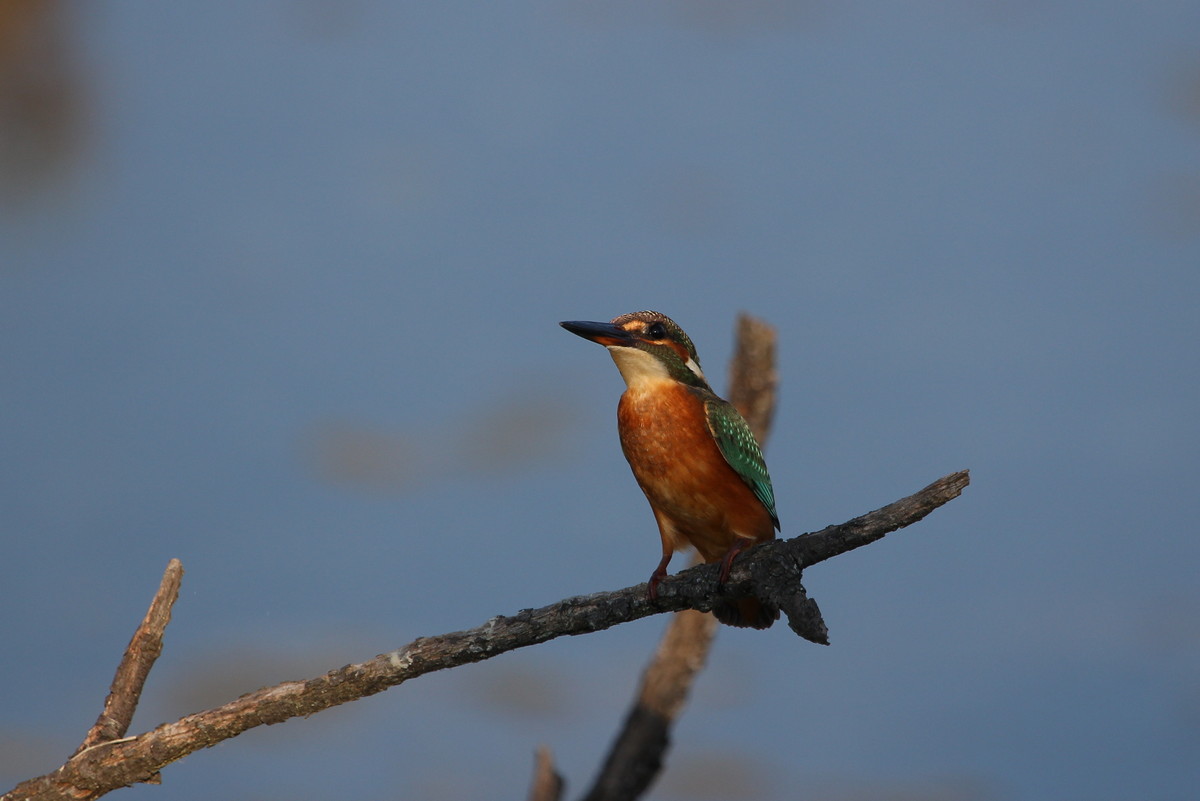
(603, 333)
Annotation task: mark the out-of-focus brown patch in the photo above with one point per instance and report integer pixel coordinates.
(714, 17)
(521, 691)
(1175, 205)
(325, 20)
(689, 200)
(516, 431)
(365, 456)
(708, 776)
(40, 95)
(932, 788)
(1183, 92)
(504, 434)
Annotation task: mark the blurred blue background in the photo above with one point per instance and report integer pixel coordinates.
(280, 284)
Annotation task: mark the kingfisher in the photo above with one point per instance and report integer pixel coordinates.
(692, 453)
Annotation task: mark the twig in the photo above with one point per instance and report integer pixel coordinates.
(753, 377)
(636, 756)
(144, 648)
(547, 784)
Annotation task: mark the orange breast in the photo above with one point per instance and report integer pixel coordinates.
(697, 497)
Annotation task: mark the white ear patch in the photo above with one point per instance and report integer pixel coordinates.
(692, 365)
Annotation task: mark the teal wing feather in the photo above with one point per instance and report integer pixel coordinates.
(739, 447)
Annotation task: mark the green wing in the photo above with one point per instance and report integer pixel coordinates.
(739, 447)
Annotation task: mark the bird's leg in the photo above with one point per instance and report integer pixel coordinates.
(657, 576)
(739, 544)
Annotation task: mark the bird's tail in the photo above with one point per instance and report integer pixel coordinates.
(746, 613)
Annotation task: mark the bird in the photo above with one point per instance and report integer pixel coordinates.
(692, 453)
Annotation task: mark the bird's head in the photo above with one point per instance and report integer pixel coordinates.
(647, 346)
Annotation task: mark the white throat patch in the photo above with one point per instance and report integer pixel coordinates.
(639, 369)
(642, 370)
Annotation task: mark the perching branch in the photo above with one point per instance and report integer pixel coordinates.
(768, 569)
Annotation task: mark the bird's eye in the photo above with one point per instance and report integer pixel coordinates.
(656, 331)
